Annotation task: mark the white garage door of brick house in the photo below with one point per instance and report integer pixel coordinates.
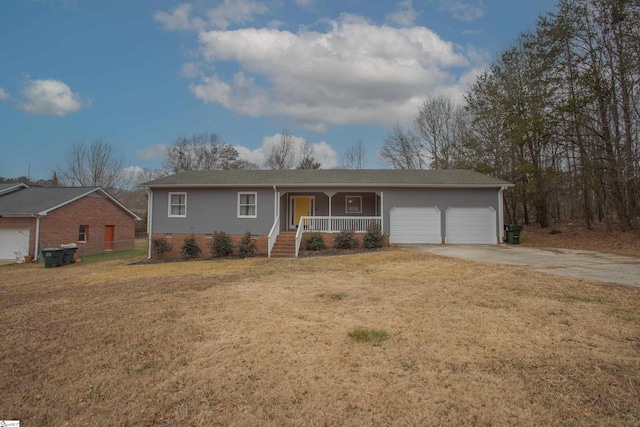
(12, 239)
(415, 225)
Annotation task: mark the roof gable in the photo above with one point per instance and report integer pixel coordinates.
(330, 177)
(8, 188)
(40, 201)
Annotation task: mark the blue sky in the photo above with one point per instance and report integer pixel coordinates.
(138, 74)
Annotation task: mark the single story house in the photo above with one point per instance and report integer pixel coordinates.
(33, 217)
(410, 206)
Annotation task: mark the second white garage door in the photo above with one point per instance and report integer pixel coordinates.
(12, 239)
(471, 225)
(415, 225)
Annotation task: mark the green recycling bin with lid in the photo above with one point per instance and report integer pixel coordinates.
(513, 233)
(52, 257)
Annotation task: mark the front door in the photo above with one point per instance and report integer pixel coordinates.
(109, 235)
(301, 206)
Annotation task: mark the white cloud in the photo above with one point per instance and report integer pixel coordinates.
(405, 15)
(220, 17)
(235, 12)
(324, 153)
(190, 70)
(464, 10)
(304, 3)
(51, 97)
(177, 19)
(354, 73)
(3, 95)
(154, 152)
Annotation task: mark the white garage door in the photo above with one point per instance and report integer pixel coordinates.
(415, 225)
(475, 225)
(12, 239)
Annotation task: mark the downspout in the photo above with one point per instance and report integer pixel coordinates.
(275, 204)
(500, 218)
(149, 221)
(36, 255)
(382, 212)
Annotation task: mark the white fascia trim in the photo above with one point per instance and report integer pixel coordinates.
(339, 185)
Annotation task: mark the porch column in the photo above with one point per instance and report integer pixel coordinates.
(330, 194)
(330, 197)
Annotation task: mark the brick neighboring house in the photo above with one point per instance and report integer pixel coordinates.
(51, 216)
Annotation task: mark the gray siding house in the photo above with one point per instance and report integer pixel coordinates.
(410, 206)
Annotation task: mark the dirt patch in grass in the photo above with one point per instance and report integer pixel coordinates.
(263, 342)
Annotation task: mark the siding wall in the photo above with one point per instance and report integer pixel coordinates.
(442, 198)
(210, 210)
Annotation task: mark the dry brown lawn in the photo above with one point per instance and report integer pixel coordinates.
(265, 342)
(576, 236)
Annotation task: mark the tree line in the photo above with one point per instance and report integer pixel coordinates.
(557, 114)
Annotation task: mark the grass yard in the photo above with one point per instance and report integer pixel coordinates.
(390, 338)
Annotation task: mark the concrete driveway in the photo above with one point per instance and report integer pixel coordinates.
(565, 262)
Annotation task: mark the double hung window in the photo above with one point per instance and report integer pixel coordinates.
(178, 205)
(247, 205)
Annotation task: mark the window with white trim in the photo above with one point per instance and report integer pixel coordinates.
(178, 205)
(248, 205)
(83, 233)
(353, 204)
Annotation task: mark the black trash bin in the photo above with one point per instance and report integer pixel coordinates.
(69, 254)
(52, 257)
(513, 233)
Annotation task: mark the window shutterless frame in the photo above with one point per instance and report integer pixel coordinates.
(247, 204)
(353, 204)
(177, 205)
(83, 233)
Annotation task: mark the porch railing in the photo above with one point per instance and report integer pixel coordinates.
(273, 235)
(335, 224)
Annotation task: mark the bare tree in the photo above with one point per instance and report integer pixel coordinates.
(95, 164)
(202, 153)
(441, 125)
(283, 153)
(308, 158)
(354, 157)
(402, 150)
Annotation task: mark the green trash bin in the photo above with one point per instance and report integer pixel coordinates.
(52, 257)
(513, 233)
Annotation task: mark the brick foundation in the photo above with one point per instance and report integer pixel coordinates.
(177, 240)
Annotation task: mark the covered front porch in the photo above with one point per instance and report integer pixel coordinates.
(326, 212)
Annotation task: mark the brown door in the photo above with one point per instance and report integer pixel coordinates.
(109, 234)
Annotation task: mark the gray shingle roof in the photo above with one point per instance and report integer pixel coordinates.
(329, 177)
(40, 200)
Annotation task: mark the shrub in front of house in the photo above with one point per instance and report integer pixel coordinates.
(314, 242)
(345, 240)
(161, 246)
(190, 248)
(221, 244)
(246, 247)
(374, 238)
